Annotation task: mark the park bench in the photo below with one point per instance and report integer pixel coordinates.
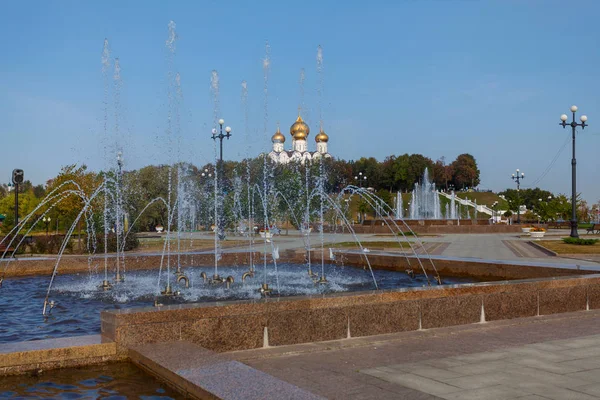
(595, 228)
(8, 250)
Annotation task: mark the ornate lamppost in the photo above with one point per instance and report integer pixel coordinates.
(46, 220)
(360, 178)
(574, 126)
(221, 136)
(517, 178)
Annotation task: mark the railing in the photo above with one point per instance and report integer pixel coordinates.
(480, 207)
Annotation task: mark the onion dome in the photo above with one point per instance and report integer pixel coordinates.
(299, 130)
(322, 137)
(278, 137)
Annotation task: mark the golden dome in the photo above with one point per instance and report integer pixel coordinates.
(278, 137)
(322, 137)
(299, 130)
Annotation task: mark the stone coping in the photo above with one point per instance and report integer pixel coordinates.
(431, 291)
(200, 373)
(58, 343)
(36, 355)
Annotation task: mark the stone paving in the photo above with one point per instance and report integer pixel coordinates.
(550, 357)
(561, 369)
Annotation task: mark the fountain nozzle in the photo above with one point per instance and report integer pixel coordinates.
(249, 274)
(168, 291)
(411, 273)
(50, 304)
(182, 277)
(106, 286)
(264, 290)
(322, 280)
(229, 281)
(216, 279)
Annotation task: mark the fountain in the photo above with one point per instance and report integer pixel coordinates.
(307, 263)
(425, 202)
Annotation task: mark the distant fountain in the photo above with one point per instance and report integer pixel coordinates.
(425, 201)
(399, 206)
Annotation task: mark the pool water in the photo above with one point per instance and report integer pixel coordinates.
(111, 381)
(79, 301)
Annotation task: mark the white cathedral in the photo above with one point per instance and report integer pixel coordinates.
(299, 131)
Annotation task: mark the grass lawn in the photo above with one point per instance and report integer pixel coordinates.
(560, 247)
(485, 198)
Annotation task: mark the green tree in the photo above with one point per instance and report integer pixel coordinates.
(466, 173)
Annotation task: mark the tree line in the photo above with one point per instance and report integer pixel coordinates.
(290, 182)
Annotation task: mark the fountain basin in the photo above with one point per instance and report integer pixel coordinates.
(114, 380)
(79, 301)
(241, 325)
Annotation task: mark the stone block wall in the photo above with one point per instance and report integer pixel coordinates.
(241, 325)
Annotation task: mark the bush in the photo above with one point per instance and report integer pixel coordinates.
(580, 241)
(131, 242)
(49, 244)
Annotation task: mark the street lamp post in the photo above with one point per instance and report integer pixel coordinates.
(119, 278)
(494, 216)
(574, 126)
(17, 179)
(360, 178)
(543, 208)
(47, 222)
(517, 178)
(221, 136)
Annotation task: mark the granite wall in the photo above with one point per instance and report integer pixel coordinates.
(480, 270)
(240, 325)
(24, 266)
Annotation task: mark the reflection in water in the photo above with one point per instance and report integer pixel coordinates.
(111, 381)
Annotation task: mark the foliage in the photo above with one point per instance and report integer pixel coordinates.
(537, 229)
(27, 203)
(580, 241)
(131, 243)
(50, 244)
(466, 173)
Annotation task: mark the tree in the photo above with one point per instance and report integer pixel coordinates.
(65, 209)
(466, 173)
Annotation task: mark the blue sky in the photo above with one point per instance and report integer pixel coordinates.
(434, 77)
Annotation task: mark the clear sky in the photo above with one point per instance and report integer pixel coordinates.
(440, 78)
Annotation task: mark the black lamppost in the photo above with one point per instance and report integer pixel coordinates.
(17, 179)
(119, 278)
(221, 136)
(47, 222)
(574, 126)
(360, 178)
(517, 178)
(494, 211)
(543, 208)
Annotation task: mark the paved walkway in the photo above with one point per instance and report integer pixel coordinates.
(549, 357)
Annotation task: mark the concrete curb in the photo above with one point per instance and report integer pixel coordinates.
(543, 249)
